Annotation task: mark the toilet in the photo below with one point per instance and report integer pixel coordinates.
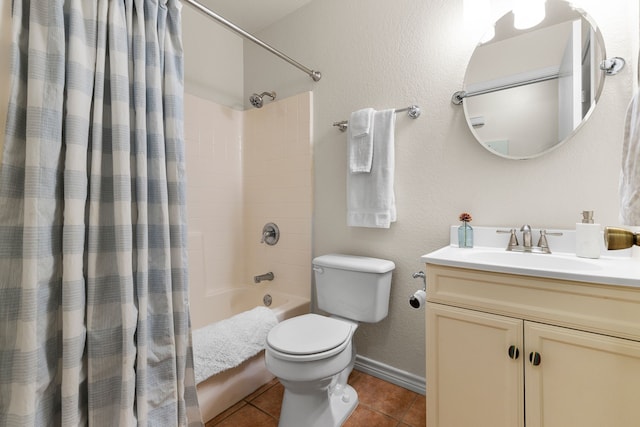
(313, 355)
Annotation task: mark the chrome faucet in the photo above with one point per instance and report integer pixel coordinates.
(526, 237)
(259, 278)
(527, 242)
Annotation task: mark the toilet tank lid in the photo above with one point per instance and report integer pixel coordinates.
(354, 263)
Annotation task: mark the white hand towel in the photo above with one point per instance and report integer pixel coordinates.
(630, 174)
(370, 196)
(360, 140)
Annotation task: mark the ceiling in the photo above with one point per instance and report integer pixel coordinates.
(253, 15)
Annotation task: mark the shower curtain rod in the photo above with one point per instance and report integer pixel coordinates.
(315, 75)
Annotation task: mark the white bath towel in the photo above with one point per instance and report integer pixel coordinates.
(360, 140)
(226, 344)
(370, 196)
(630, 174)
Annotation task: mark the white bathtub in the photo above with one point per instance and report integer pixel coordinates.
(226, 388)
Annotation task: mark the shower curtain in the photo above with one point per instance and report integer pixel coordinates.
(94, 319)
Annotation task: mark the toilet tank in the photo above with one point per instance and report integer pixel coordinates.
(353, 287)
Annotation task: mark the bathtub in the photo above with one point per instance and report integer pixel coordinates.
(221, 391)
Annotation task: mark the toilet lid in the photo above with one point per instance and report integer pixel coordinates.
(309, 334)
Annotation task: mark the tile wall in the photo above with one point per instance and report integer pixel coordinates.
(245, 169)
(213, 138)
(278, 188)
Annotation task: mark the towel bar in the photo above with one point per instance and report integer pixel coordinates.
(413, 111)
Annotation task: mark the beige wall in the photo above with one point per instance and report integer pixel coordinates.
(381, 54)
(246, 169)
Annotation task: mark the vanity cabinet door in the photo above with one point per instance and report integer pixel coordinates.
(474, 368)
(581, 378)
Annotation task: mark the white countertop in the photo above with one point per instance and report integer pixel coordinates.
(613, 267)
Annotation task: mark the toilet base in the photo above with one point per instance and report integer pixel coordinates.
(321, 409)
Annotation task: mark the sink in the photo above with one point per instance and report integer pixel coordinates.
(489, 254)
(531, 260)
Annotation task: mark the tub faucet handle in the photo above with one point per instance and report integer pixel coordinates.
(270, 234)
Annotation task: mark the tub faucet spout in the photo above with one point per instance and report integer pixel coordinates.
(259, 278)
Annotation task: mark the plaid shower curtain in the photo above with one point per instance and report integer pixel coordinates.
(94, 320)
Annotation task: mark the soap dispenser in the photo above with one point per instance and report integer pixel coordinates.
(588, 238)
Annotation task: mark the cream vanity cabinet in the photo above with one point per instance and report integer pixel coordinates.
(507, 350)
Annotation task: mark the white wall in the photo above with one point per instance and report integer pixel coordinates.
(392, 54)
(213, 61)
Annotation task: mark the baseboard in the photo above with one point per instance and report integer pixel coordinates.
(393, 375)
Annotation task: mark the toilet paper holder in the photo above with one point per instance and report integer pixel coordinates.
(419, 298)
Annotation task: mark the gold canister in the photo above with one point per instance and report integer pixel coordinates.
(619, 238)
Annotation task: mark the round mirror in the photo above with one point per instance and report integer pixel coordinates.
(526, 91)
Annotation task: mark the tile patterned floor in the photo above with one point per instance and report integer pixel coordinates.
(382, 404)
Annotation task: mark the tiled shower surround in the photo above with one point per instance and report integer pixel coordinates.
(244, 169)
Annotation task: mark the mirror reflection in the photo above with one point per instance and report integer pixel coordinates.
(526, 91)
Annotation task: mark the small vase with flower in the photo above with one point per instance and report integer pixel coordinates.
(465, 231)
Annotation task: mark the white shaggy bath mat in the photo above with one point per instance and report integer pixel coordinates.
(226, 344)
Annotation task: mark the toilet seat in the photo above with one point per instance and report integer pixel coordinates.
(309, 337)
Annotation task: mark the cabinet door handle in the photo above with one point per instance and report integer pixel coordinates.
(534, 358)
(513, 352)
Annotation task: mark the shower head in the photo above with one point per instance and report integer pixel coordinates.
(256, 100)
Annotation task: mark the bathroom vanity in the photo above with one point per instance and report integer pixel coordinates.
(514, 340)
